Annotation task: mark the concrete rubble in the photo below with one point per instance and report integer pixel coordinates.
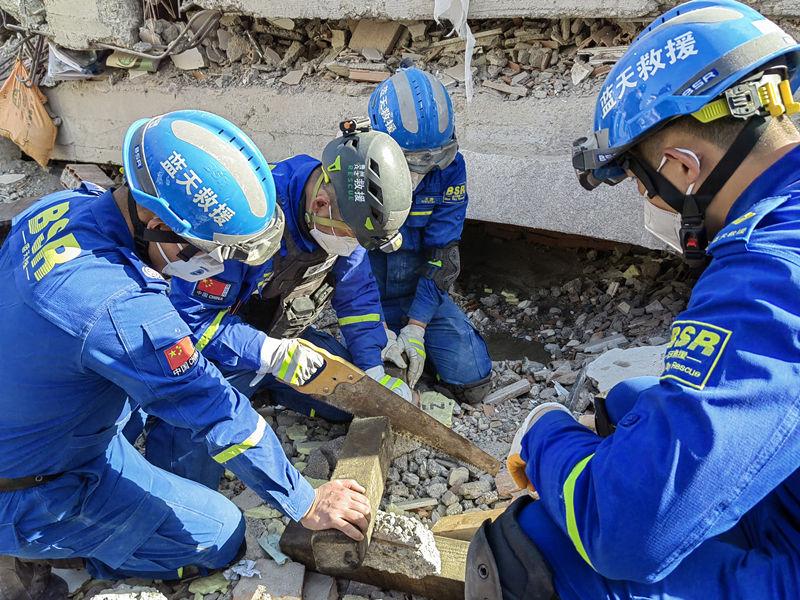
(404, 545)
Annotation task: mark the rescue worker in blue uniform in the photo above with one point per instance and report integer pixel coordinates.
(89, 336)
(239, 316)
(415, 109)
(695, 493)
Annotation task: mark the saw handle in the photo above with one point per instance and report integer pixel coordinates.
(336, 370)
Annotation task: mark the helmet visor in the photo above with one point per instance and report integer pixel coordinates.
(254, 251)
(424, 161)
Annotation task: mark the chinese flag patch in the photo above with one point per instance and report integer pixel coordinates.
(181, 357)
(212, 289)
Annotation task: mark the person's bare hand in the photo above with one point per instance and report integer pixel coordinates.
(339, 504)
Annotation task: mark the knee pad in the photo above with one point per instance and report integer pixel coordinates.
(471, 393)
(504, 564)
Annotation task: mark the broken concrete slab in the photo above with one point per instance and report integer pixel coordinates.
(11, 178)
(616, 365)
(127, 592)
(380, 35)
(189, 60)
(368, 76)
(319, 587)
(439, 406)
(514, 390)
(277, 582)
(293, 77)
(403, 545)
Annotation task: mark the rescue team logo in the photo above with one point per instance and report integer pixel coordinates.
(181, 357)
(694, 352)
(212, 289)
(455, 193)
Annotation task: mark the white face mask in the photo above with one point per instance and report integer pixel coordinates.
(341, 245)
(664, 224)
(416, 178)
(197, 268)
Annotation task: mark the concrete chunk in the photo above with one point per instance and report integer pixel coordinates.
(404, 545)
(319, 587)
(379, 35)
(617, 365)
(277, 582)
(189, 60)
(515, 390)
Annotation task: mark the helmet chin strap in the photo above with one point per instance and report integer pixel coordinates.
(142, 236)
(691, 204)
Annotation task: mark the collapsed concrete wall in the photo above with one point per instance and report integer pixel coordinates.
(77, 24)
(517, 152)
(479, 9)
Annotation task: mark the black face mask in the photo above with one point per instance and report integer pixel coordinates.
(692, 207)
(142, 236)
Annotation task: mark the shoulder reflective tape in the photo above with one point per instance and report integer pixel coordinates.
(252, 440)
(368, 318)
(210, 331)
(569, 497)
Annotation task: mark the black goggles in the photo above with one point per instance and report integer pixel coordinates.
(595, 166)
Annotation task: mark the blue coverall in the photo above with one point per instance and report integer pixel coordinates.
(696, 494)
(89, 335)
(234, 346)
(454, 348)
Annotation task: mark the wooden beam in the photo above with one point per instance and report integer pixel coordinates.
(365, 458)
(464, 526)
(447, 585)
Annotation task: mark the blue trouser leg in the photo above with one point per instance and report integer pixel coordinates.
(174, 450)
(456, 351)
(127, 517)
(716, 570)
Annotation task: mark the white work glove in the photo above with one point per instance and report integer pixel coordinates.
(393, 351)
(412, 340)
(514, 462)
(398, 386)
(288, 360)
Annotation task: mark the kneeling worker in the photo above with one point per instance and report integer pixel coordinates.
(695, 494)
(89, 335)
(245, 318)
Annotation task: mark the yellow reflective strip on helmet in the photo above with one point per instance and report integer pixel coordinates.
(420, 213)
(287, 361)
(252, 440)
(210, 331)
(180, 573)
(385, 379)
(368, 318)
(569, 493)
(368, 224)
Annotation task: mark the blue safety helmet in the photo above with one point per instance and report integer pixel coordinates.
(416, 110)
(207, 181)
(687, 62)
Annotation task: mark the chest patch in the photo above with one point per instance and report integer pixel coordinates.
(181, 356)
(694, 352)
(212, 289)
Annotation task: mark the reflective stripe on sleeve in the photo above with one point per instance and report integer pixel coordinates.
(210, 331)
(369, 318)
(569, 503)
(237, 449)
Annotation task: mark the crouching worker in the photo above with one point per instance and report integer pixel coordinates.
(695, 494)
(246, 318)
(415, 109)
(89, 335)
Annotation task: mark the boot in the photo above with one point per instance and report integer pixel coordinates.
(29, 581)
